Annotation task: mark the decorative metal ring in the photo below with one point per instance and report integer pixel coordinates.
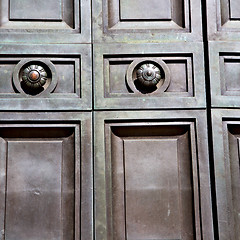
(148, 76)
(35, 77)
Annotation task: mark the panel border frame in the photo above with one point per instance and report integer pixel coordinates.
(83, 154)
(81, 35)
(217, 99)
(83, 51)
(198, 100)
(99, 16)
(220, 157)
(213, 17)
(197, 117)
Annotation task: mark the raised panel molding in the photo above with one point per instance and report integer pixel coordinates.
(51, 21)
(146, 21)
(66, 77)
(121, 81)
(149, 169)
(226, 135)
(46, 179)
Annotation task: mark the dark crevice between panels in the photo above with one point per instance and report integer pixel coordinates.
(209, 122)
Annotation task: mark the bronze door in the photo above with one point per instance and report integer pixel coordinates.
(151, 162)
(105, 120)
(46, 124)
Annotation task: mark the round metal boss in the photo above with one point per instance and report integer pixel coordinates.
(148, 76)
(34, 77)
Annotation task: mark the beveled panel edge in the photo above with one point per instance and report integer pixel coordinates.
(197, 101)
(82, 122)
(162, 36)
(40, 36)
(83, 51)
(197, 117)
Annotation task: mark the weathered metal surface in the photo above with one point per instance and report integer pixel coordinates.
(55, 21)
(46, 176)
(149, 168)
(70, 85)
(113, 76)
(223, 20)
(226, 134)
(146, 21)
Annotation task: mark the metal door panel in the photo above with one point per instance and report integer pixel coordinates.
(55, 21)
(68, 66)
(149, 167)
(226, 160)
(115, 86)
(146, 21)
(46, 176)
(224, 60)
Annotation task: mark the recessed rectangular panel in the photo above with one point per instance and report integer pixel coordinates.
(116, 70)
(67, 69)
(68, 81)
(233, 180)
(152, 189)
(151, 183)
(145, 9)
(181, 80)
(33, 202)
(232, 73)
(36, 10)
(234, 9)
(40, 182)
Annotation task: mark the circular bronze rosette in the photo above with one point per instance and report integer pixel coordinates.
(147, 76)
(34, 77)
